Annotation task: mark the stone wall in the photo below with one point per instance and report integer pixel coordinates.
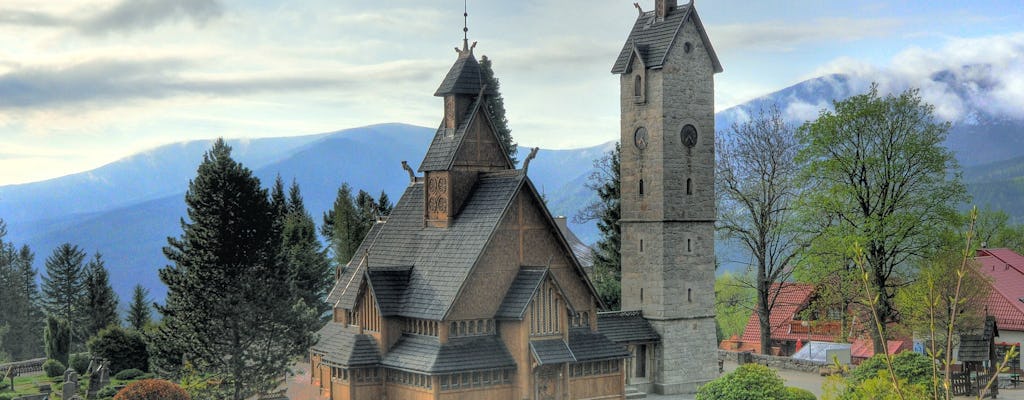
(777, 362)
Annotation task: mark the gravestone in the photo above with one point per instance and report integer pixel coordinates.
(70, 386)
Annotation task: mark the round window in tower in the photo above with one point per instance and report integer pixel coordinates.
(640, 138)
(688, 136)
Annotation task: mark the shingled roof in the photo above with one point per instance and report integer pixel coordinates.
(587, 345)
(651, 39)
(465, 77)
(520, 292)
(441, 153)
(626, 327)
(426, 354)
(441, 257)
(551, 351)
(342, 347)
(389, 284)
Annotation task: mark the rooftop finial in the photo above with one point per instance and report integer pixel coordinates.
(465, 25)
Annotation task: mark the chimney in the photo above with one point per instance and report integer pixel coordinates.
(663, 7)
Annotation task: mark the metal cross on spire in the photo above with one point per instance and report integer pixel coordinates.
(465, 25)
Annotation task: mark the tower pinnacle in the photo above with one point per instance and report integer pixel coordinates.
(465, 25)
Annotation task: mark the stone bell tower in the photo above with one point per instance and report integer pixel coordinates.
(666, 72)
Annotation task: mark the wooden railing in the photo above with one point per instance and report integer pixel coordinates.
(23, 367)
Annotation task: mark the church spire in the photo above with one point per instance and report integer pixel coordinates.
(465, 25)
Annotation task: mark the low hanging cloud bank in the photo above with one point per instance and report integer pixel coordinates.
(964, 79)
(124, 16)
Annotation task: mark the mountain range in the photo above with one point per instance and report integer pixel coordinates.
(127, 209)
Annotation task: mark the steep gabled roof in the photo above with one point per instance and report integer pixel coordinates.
(388, 285)
(426, 354)
(465, 77)
(441, 257)
(1005, 268)
(652, 39)
(520, 292)
(445, 145)
(790, 299)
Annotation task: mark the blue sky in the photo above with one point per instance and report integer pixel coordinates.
(86, 82)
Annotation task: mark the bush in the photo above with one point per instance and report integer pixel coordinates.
(124, 348)
(152, 389)
(9, 396)
(795, 393)
(915, 368)
(80, 362)
(748, 382)
(53, 368)
(128, 374)
(107, 392)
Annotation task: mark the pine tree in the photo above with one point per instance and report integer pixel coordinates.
(496, 106)
(20, 312)
(605, 210)
(342, 226)
(230, 309)
(100, 308)
(310, 274)
(64, 288)
(139, 312)
(384, 205)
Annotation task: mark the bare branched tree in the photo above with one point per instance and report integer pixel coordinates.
(755, 175)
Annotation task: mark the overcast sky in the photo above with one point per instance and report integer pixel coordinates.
(85, 82)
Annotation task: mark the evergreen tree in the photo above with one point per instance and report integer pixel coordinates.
(230, 309)
(342, 226)
(139, 313)
(57, 337)
(605, 210)
(64, 287)
(19, 302)
(496, 106)
(310, 274)
(384, 205)
(100, 308)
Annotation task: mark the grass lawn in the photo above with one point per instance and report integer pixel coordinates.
(29, 384)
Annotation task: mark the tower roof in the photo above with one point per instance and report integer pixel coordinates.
(465, 76)
(652, 38)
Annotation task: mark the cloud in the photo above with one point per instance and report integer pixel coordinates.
(787, 36)
(960, 78)
(132, 15)
(124, 16)
(105, 81)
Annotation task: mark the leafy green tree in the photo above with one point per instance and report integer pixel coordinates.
(310, 273)
(496, 106)
(139, 311)
(57, 337)
(756, 183)
(100, 308)
(994, 229)
(734, 301)
(880, 177)
(124, 348)
(229, 306)
(20, 311)
(605, 210)
(64, 287)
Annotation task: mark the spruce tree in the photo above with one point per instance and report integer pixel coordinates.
(384, 205)
(310, 274)
(496, 106)
(342, 225)
(100, 308)
(139, 312)
(64, 286)
(605, 210)
(229, 309)
(20, 312)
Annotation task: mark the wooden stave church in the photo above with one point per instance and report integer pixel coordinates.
(469, 290)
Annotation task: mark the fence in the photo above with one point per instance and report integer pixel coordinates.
(23, 367)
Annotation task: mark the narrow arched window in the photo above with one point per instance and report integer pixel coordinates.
(689, 186)
(638, 86)
(641, 187)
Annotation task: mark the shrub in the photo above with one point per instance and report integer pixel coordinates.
(748, 382)
(124, 348)
(80, 362)
(152, 389)
(128, 374)
(915, 368)
(53, 368)
(107, 392)
(9, 396)
(795, 393)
